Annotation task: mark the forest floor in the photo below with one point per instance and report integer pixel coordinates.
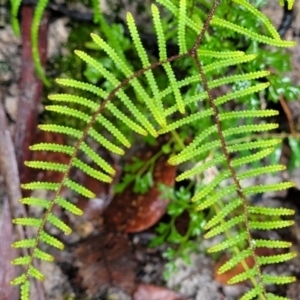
(102, 264)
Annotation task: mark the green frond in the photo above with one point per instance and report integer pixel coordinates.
(277, 279)
(97, 159)
(174, 10)
(35, 273)
(37, 17)
(274, 297)
(228, 62)
(187, 120)
(251, 273)
(260, 16)
(59, 224)
(270, 211)
(242, 236)
(38, 253)
(211, 186)
(271, 244)
(127, 72)
(23, 260)
(25, 290)
(200, 168)
(50, 240)
(145, 63)
(268, 188)
(254, 292)
(102, 120)
(27, 222)
(268, 225)
(27, 243)
(36, 202)
(40, 185)
(105, 142)
(238, 77)
(121, 94)
(248, 114)
(79, 188)
(163, 56)
(260, 171)
(219, 54)
(210, 200)
(274, 259)
(242, 93)
(53, 148)
(235, 260)
(44, 165)
(91, 171)
(61, 129)
(19, 280)
(181, 27)
(254, 145)
(224, 227)
(252, 35)
(233, 204)
(68, 206)
(99, 92)
(251, 158)
(15, 5)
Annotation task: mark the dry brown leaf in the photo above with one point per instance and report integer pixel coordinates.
(131, 212)
(104, 261)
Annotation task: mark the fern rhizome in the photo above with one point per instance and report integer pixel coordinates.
(169, 110)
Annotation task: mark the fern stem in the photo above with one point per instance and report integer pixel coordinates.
(194, 55)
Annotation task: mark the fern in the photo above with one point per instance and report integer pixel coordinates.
(162, 117)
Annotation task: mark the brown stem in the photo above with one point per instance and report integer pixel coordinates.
(31, 90)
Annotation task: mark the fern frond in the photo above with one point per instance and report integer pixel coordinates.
(37, 17)
(26, 243)
(278, 279)
(38, 253)
(50, 240)
(25, 290)
(51, 218)
(270, 211)
(260, 16)
(224, 227)
(44, 165)
(253, 35)
(149, 74)
(181, 27)
(52, 148)
(38, 185)
(36, 273)
(163, 56)
(15, 5)
(99, 92)
(36, 202)
(235, 260)
(121, 94)
(251, 273)
(253, 293)
(266, 260)
(269, 225)
(79, 189)
(68, 206)
(229, 243)
(28, 222)
(271, 244)
(274, 297)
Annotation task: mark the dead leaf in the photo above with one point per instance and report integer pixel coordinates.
(131, 212)
(105, 261)
(152, 292)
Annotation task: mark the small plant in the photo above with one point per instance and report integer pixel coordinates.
(217, 45)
